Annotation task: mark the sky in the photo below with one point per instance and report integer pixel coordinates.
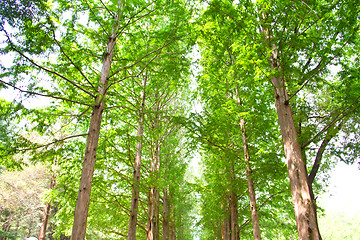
(343, 192)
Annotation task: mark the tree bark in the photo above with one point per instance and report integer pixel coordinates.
(153, 195)
(137, 168)
(153, 215)
(46, 215)
(234, 222)
(166, 226)
(172, 224)
(304, 211)
(83, 199)
(250, 181)
(316, 166)
(226, 227)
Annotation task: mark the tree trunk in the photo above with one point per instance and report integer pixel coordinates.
(137, 168)
(316, 167)
(172, 224)
(153, 195)
(166, 227)
(304, 211)
(46, 215)
(234, 222)
(252, 196)
(226, 227)
(153, 212)
(83, 199)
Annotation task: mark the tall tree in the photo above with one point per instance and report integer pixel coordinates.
(281, 62)
(276, 46)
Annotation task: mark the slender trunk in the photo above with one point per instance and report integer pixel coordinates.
(166, 227)
(137, 168)
(153, 211)
(316, 166)
(153, 195)
(234, 222)
(252, 196)
(226, 227)
(153, 218)
(319, 156)
(83, 199)
(172, 231)
(233, 206)
(250, 181)
(172, 224)
(46, 215)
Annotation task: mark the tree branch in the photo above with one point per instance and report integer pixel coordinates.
(340, 116)
(61, 49)
(56, 141)
(148, 54)
(318, 157)
(268, 198)
(107, 34)
(44, 95)
(110, 12)
(317, 69)
(44, 68)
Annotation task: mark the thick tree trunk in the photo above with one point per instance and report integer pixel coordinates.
(46, 215)
(137, 169)
(252, 196)
(304, 210)
(166, 226)
(83, 199)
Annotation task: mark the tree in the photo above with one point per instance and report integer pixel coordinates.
(224, 89)
(276, 46)
(89, 89)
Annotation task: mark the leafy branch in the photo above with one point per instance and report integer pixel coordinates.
(45, 95)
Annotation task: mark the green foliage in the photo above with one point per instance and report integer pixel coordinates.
(58, 48)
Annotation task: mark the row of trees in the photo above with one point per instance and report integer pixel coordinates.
(251, 51)
(117, 77)
(115, 73)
